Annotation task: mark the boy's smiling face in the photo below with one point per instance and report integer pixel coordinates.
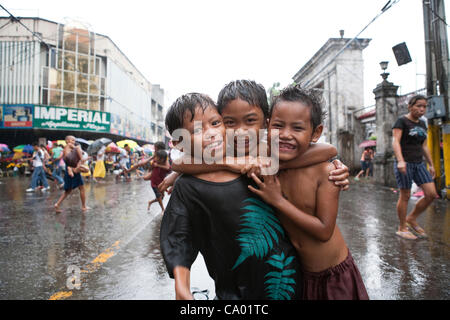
(293, 121)
(206, 130)
(240, 116)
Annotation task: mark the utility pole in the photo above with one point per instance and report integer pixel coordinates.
(437, 66)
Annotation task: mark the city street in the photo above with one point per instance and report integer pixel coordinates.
(113, 249)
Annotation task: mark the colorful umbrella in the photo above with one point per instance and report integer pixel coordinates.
(112, 147)
(4, 148)
(83, 141)
(24, 148)
(60, 142)
(18, 155)
(95, 146)
(368, 143)
(132, 144)
(148, 148)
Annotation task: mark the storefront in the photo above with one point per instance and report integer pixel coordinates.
(27, 123)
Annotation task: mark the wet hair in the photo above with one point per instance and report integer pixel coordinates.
(187, 102)
(161, 154)
(309, 97)
(160, 145)
(416, 98)
(247, 90)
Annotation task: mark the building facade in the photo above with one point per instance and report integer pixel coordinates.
(340, 79)
(68, 78)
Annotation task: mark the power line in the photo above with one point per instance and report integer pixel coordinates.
(386, 7)
(5, 24)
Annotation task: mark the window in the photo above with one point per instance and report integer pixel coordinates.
(54, 98)
(69, 99)
(75, 76)
(82, 101)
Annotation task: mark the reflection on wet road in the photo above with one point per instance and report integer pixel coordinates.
(113, 249)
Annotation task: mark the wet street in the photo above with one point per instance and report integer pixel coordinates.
(112, 251)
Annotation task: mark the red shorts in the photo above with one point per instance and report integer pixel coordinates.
(342, 282)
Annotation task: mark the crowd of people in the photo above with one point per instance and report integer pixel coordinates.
(67, 165)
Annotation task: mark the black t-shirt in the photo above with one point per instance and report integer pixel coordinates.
(413, 136)
(246, 250)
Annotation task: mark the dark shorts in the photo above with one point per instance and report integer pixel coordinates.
(157, 193)
(365, 165)
(72, 183)
(415, 171)
(342, 282)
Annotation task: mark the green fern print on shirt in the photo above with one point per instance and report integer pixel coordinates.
(280, 283)
(260, 229)
(259, 226)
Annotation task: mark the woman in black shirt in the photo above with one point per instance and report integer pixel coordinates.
(410, 146)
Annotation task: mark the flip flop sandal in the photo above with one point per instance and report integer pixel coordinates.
(418, 230)
(406, 235)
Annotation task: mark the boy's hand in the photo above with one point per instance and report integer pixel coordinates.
(256, 167)
(269, 190)
(239, 165)
(168, 182)
(340, 175)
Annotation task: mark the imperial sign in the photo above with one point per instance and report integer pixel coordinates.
(70, 119)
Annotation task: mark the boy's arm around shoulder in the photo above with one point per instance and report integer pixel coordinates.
(316, 153)
(188, 166)
(327, 200)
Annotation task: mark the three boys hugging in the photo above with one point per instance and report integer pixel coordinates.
(263, 237)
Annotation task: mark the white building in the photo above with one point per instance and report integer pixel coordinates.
(340, 79)
(73, 67)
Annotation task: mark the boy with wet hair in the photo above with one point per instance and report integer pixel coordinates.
(307, 202)
(244, 107)
(246, 251)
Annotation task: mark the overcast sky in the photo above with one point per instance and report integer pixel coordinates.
(200, 46)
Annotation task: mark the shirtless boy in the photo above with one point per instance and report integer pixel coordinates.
(307, 202)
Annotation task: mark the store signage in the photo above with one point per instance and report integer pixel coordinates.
(16, 116)
(60, 118)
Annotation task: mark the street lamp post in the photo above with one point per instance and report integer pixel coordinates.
(384, 65)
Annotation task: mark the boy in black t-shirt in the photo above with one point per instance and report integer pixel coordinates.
(246, 250)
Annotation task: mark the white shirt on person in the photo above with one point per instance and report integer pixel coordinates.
(38, 157)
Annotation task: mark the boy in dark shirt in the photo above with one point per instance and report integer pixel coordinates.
(247, 252)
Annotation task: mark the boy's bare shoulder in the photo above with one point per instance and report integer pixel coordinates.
(321, 168)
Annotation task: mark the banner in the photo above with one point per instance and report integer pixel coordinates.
(17, 116)
(60, 118)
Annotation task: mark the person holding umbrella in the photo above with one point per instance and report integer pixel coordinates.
(366, 160)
